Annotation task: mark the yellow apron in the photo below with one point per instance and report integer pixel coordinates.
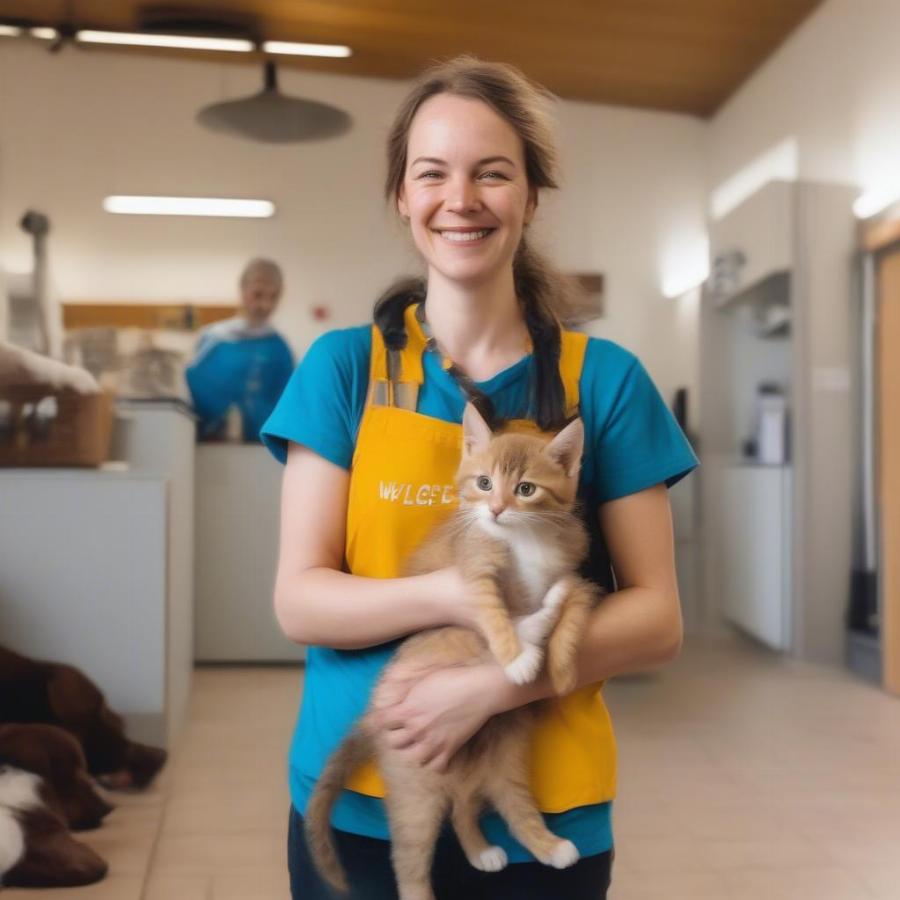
(401, 486)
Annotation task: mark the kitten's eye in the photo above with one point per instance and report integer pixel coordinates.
(483, 483)
(525, 489)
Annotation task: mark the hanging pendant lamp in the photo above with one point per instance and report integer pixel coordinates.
(274, 118)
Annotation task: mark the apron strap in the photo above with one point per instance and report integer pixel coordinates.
(395, 375)
(573, 345)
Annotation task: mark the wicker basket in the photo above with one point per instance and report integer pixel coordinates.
(43, 426)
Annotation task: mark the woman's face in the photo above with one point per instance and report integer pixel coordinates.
(465, 191)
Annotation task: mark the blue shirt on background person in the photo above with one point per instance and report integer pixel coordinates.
(243, 362)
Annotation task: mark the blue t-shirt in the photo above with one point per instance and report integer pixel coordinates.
(237, 366)
(632, 442)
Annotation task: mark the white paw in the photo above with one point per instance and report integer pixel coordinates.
(554, 597)
(534, 628)
(525, 667)
(491, 860)
(564, 854)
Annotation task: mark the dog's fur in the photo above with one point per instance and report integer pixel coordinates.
(36, 849)
(56, 756)
(56, 694)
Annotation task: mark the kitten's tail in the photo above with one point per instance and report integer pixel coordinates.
(355, 749)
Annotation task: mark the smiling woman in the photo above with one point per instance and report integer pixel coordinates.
(370, 428)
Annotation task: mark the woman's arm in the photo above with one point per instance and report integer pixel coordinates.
(317, 603)
(637, 627)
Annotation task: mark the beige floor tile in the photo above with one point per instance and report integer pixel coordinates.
(260, 884)
(825, 883)
(211, 852)
(113, 887)
(179, 887)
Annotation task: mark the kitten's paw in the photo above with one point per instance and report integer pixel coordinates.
(491, 860)
(554, 597)
(534, 628)
(525, 667)
(564, 854)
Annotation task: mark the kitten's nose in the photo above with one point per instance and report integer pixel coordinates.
(496, 510)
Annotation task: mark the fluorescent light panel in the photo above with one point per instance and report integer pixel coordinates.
(188, 206)
(292, 49)
(45, 34)
(10, 31)
(178, 41)
(875, 200)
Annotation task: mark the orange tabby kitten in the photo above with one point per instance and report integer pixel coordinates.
(518, 544)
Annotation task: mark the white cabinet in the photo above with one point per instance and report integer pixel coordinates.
(777, 544)
(83, 562)
(238, 490)
(754, 523)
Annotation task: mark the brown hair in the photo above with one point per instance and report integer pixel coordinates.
(549, 299)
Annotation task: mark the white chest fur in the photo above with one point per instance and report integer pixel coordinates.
(537, 563)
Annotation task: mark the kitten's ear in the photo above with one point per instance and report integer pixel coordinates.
(566, 448)
(476, 433)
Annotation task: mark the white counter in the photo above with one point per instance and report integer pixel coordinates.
(238, 490)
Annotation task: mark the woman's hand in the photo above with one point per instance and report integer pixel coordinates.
(457, 597)
(430, 712)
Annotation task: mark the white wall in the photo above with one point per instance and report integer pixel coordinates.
(835, 86)
(79, 125)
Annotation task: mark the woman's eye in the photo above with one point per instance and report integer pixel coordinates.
(430, 174)
(483, 483)
(494, 175)
(525, 489)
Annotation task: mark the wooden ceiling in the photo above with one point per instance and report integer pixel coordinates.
(680, 55)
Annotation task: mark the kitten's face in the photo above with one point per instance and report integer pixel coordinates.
(517, 481)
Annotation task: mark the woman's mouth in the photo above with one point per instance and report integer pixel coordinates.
(465, 237)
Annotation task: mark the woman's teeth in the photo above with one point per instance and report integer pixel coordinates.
(461, 236)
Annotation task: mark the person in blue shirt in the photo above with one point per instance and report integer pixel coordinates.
(243, 362)
(369, 428)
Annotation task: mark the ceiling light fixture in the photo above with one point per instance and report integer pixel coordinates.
(275, 118)
(44, 34)
(177, 41)
(188, 206)
(337, 51)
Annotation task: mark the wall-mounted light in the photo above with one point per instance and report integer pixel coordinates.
(44, 34)
(338, 51)
(10, 31)
(873, 201)
(176, 41)
(188, 206)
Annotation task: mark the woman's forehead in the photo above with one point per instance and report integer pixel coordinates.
(449, 127)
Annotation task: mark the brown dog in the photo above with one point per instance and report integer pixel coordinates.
(56, 694)
(56, 756)
(36, 849)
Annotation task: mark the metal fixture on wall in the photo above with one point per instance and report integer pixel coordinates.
(275, 118)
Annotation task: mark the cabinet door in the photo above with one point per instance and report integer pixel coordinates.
(753, 561)
(888, 350)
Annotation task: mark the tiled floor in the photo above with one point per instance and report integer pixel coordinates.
(741, 776)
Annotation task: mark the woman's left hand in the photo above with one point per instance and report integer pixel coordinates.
(430, 712)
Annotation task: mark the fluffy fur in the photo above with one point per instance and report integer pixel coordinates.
(518, 544)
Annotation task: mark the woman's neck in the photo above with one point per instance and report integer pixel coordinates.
(480, 328)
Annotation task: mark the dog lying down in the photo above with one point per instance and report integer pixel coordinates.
(58, 733)
(37, 810)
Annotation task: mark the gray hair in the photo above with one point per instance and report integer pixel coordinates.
(263, 269)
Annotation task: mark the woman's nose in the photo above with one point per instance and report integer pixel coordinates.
(462, 196)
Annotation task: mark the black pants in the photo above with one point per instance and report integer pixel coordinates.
(367, 863)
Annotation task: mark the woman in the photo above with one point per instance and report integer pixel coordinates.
(369, 425)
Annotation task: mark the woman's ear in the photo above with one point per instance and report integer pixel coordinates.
(531, 205)
(402, 207)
